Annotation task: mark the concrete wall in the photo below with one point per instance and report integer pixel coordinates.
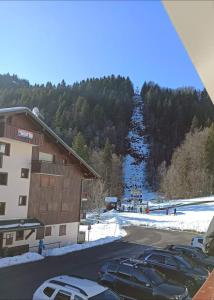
(20, 157)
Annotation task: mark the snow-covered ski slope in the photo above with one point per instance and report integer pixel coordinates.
(135, 162)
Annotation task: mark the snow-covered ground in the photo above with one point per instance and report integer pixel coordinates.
(192, 217)
(78, 247)
(20, 259)
(103, 230)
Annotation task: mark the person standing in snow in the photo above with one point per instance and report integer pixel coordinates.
(167, 211)
(41, 246)
(175, 211)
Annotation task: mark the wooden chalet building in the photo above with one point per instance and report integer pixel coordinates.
(40, 184)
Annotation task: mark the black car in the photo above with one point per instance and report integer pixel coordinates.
(177, 267)
(192, 253)
(132, 279)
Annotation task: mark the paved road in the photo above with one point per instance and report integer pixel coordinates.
(20, 281)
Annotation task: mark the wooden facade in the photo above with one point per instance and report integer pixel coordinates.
(16, 133)
(55, 187)
(55, 199)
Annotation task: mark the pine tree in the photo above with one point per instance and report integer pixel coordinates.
(80, 147)
(107, 160)
(209, 151)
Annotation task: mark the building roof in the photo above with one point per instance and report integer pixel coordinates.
(197, 36)
(17, 224)
(27, 111)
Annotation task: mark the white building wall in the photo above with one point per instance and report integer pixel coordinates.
(20, 157)
(53, 241)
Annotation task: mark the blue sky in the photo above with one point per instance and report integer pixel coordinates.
(51, 41)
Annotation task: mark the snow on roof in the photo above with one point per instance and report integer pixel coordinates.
(51, 132)
(16, 224)
(91, 288)
(13, 109)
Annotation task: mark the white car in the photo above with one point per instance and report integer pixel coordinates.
(197, 242)
(73, 288)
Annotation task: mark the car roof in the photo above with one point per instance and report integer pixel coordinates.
(84, 286)
(132, 262)
(186, 247)
(159, 251)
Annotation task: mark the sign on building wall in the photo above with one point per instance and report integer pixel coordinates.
(25, 134)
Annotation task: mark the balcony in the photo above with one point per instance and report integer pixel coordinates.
(15, 133)
(45, 167)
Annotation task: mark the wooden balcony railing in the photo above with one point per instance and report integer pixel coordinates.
(23, 135)
(45, 167)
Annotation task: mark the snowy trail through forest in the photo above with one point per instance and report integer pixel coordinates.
(134, 167)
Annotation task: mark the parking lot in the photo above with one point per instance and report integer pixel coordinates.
(19, 282)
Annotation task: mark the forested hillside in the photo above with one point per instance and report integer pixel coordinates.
(98, 108)
(169, 115)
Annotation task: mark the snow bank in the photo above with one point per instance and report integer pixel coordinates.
(19, 259)
(102, 230)
(100, 234)
(78, 247)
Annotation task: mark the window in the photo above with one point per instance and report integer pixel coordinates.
(46, 157)
(62, 296)
(112, 268)
(170, 261)
(156, 258)
(24, 173)
(140, 277)
(62, 229)
(9, 239)
(19, 235)
(48, 291)
(48, 231)
(3, 178)
(1, 160)
(2, 208)
(22, 200)
(40, 233)
(125, 272)
(4, 148)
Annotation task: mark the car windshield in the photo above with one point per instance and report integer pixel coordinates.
(155, 277)
(106, 295)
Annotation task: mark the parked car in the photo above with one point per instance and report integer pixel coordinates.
(132, 279)
(198, 242)
(192, 253)
(176, 267)
(73, 288)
